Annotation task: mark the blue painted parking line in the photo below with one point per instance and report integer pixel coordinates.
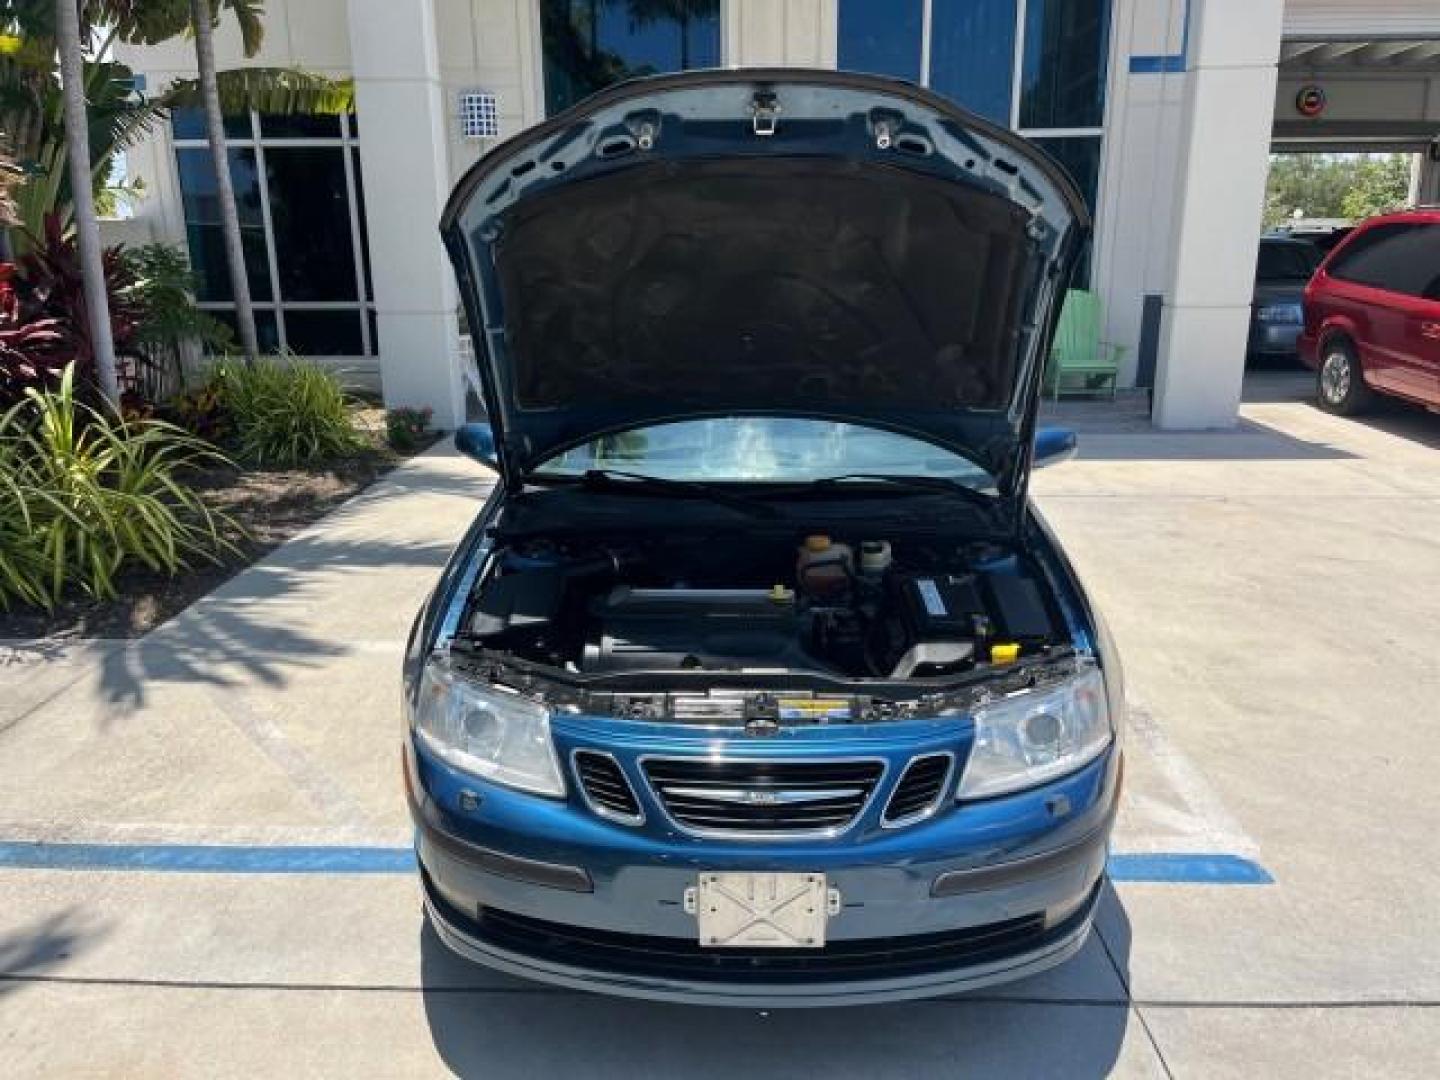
(1200, 869)
(1162, 867)
(207, 858)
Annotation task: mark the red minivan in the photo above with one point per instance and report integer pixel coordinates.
(1372, 314)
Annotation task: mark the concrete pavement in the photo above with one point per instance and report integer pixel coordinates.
(1276, 595)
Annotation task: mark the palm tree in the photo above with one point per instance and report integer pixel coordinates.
(151, 21)
(202, 24)
(87, 224)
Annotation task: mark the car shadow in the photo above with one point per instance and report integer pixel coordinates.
(1070, 1022)
(1402, 419)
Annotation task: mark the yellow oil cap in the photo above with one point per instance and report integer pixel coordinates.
(779, 594)
(1006, 653)
(818, 542)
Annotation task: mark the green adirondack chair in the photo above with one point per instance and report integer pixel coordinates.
(1079, 361)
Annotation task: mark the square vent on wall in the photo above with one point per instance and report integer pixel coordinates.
(479, 115)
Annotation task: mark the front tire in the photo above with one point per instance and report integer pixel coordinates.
(1339, 382)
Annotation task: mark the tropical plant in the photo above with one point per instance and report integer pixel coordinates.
(31, 348)
(288, 411)
(24, 573)
(202, 411)
(405, 427)
(162, 292)
(50, 277)
(276, 91)
(86, 493)
(162, 295)
(31, 101)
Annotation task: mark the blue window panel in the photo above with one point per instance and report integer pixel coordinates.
(324, 333)
(310, 213)
(590, 44)
(189, 123)
(972, 54)
(201, 207)
(881, 37)
(1067, 46)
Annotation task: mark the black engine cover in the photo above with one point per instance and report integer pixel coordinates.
(696, 629)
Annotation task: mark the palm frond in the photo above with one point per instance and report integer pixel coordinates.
(149, 22)
(284, 91)
(248, 14)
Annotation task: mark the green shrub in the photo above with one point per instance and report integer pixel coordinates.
(288, 413)
(405, 427)
(85, 492)
(22, 565)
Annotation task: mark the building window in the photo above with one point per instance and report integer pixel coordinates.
(590, 44)
(968, 49)
(972, 54)
(1067, 43)
(302, 215)
(883, 38)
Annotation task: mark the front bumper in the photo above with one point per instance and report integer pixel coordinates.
(678, 970)
(984, 893)
(1274, 339)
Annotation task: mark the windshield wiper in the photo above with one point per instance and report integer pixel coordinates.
(619, 480)
(902, 482)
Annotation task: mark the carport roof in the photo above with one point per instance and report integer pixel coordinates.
(1368, 54)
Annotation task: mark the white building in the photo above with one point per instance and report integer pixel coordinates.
(1165, 111)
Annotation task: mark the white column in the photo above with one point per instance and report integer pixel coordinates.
(402, 114)
(1224, 157)
(779, 33)
(1425, 184)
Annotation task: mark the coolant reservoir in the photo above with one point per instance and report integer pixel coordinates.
(875, 557)
(823, 567)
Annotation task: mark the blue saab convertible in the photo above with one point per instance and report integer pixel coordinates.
(757, 680)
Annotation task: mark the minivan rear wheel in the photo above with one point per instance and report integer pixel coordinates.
(1340, 385)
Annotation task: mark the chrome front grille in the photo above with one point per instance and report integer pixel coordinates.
(605, 787)
(763, 798)
(925, 782)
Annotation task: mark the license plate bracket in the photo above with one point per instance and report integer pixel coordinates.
(762, 909)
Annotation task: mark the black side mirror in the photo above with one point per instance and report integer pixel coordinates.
(1053, 445)
(477, 442)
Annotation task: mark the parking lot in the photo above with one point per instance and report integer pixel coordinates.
(1275, 592)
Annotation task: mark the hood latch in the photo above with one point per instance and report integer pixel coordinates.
(764, 109)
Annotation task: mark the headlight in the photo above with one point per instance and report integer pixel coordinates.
(487, 731)
(1036, 735)
(1280, 313)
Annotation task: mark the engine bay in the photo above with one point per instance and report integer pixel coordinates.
(759, 605)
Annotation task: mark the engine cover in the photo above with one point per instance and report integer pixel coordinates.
(697, 629)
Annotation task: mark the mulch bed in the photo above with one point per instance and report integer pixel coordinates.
(272, 505)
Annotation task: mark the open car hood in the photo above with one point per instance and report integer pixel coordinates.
(765, 242)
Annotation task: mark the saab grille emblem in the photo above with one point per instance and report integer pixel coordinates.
(763, 796)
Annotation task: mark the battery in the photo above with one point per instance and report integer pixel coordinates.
(942, 607)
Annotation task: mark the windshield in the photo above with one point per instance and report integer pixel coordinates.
(765, 449)
(1286, 261)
